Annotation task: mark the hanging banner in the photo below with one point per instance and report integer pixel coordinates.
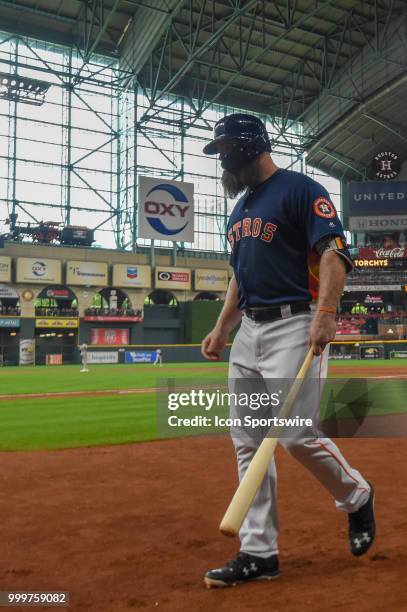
(375, 198)
(377, 205)
(38, 270)
(5, 269)
(131, 275)
(211, 280)
(378, 224)
(27, 351)
(166, 209)
(172, 278)
(106, 336)
(86, 273)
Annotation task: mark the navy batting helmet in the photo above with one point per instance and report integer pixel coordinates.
(248, 135)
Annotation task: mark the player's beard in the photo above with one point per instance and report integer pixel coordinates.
(232, 184)
(235, 184)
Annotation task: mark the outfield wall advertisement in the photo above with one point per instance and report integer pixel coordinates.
(139, 356)
(211, 280)
(5, 269)
(8, 292)
(38, 271)
(172, 278)
(89, 273)
(27, 351)
(103, 357)
(131, 275)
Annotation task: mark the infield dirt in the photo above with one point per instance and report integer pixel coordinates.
(135, 527)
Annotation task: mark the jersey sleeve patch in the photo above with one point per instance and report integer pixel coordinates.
(329, 243)
(337, 245)
(323, 208)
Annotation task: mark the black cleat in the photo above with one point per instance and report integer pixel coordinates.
(362, 527)
(243, 568)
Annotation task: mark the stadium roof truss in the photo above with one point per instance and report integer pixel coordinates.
(337, 67)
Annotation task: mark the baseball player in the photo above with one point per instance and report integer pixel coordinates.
(158, 357)
(83, 349)
(290, 259)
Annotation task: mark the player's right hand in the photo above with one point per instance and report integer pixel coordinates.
(322, 331)
(214, 343)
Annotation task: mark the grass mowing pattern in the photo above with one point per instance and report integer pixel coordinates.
(66, 422)
(365, 363)
(34, 424)
(69, 422)
(43, 379)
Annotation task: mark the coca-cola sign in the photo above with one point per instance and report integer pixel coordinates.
(396, 252)
(382, 253)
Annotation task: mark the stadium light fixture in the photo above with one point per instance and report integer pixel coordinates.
(23, 89)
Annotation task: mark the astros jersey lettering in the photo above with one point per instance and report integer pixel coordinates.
(273, 232)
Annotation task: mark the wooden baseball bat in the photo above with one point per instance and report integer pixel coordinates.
(251, 481)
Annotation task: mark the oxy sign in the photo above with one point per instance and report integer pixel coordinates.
(166, 210)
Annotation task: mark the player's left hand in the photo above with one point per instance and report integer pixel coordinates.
(322, 331)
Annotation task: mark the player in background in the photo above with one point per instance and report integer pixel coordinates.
(158, 357)
(83, 349)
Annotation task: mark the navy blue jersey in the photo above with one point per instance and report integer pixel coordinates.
(273, 232)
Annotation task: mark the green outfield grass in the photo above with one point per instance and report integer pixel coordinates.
(42, 379)
(67, 422)
(73, 421)
(363, 363)
(49, 424)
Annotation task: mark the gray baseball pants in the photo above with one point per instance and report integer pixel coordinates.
(276, 350)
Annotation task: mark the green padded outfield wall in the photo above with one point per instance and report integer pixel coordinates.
(200, 317)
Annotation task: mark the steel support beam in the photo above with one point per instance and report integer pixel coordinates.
(197, 53)
(384, 123)
(357, 110)
(253, 60)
